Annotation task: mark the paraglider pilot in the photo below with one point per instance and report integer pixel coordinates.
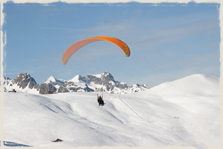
(100, 100)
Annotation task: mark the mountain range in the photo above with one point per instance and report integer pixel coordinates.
(104, 82)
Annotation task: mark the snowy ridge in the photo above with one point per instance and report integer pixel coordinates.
(184, 112)
(197, 84)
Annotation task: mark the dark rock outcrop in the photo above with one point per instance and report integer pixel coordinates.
(72, 87)
(23, 80)
(45, 88)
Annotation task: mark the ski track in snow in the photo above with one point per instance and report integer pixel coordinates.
(161, 116)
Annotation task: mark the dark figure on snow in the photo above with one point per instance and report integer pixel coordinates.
(100, 101)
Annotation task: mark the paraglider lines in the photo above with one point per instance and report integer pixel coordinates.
(132, 109)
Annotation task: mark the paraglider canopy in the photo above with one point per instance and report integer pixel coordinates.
(76, 46)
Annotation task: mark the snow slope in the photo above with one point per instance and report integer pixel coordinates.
(184, 112)
(194, 85)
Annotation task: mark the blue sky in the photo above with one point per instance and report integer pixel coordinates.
(168, 41)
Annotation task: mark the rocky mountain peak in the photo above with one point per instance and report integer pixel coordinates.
(23, 80)
(106, 77)
(22, 76)
(51, 79)
(101, 79)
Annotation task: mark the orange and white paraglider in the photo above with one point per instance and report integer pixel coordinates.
(76, 46)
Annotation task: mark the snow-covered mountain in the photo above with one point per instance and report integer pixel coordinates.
(51, 84)
(55, 81)
(182, 113)
(22, 83)
(104, 82)
(193, 85)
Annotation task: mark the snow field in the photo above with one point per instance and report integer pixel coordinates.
(184, 112)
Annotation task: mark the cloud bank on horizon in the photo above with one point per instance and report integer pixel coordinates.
(167, 41)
